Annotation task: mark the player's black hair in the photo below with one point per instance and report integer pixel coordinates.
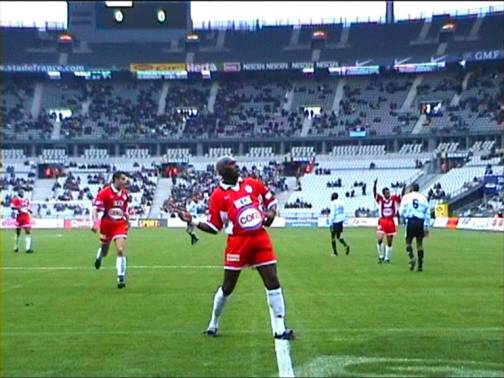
(334, 196)
(415, 187)
(222, 162)
(385, 189)
(117, 175)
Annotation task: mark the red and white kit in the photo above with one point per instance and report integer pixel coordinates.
(22, 208)
(240, 208)
(114, 204)
(388, 211)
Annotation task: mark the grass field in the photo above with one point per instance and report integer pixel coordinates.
(352, 316)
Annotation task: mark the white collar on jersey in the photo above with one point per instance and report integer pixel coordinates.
(114, 189)
(235, 187)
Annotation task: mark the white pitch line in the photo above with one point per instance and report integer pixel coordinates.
(129, 267)
(179, 331)
(284, 361)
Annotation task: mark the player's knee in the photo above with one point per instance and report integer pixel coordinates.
(120, 251)
(227, 289)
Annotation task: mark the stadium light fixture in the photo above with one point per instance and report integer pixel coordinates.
(319, 34)
(448, 27)
(118, 16)
(192, 37)
(161, 16)
(65, 38)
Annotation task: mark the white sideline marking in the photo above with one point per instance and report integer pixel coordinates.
(110, 268)
(284, 361)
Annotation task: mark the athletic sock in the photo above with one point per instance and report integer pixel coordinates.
(28, 241)
(409, 249)
(16, 241)
(277, 310)
(379, 248)
(420, 257)
(218, 306)
(99, 254)
(121, 266)
(388, 253)
(342, 241)
(333, 243)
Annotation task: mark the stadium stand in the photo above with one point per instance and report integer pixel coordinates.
(124, 123)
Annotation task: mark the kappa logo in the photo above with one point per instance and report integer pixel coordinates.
(233, 257)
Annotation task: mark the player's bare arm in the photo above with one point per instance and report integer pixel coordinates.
(94, 219)
(187, 217)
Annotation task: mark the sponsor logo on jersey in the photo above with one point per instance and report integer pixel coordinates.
(250, 218)
(115, 213)
(244, 201)
(248, 189)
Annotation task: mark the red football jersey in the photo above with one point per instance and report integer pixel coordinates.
(21, 205)
(240, 207)
(388, 207)
(113, 203)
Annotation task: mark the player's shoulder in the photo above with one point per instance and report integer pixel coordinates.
(419, 195)
(251, 181)
(217, 192)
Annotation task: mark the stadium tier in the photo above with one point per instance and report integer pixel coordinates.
(419, 109)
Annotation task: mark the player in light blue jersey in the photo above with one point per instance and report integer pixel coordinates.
(416, 211)
(336, 219)
(192, 208)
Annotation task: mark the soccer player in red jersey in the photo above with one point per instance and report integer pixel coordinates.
(388, 205)
(21, 211)
(113, 201)
(243, 207)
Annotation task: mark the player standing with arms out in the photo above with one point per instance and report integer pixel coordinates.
(21, 211)
(336, 219)
(113, 201)
(415, 210)
(388, 206)
(238, 205)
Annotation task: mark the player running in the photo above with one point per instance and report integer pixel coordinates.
(388, 206)
(113, 201)
(243, 207)
(22, 213)
(415, 210)
(336, 219)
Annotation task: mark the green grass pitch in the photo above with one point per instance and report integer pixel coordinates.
(352, 316)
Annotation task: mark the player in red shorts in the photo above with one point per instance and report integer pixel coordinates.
(243, 207)
(388, 205)
(21, 210)
(113, 201)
